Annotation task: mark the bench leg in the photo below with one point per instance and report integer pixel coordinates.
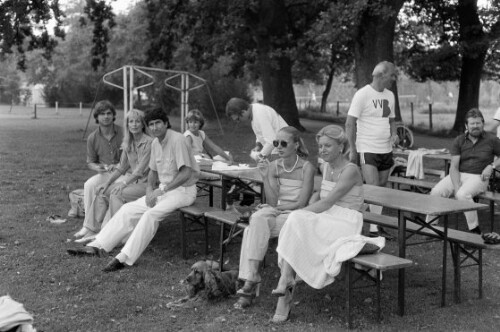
(211, 196)
(221, 246)
(379, 312)
(492, 215)
(183, 235)
(348, 281)
(445, 252)
(402, 253)
(480, 272)
(455, 254)
(205, 226)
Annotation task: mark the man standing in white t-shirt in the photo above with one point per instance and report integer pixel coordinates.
(372, 132)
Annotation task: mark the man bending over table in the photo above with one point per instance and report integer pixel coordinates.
(472, 155)
(173, 166)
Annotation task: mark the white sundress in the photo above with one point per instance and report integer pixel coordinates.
(307, 241)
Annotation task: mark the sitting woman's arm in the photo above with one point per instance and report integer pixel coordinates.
(270, 182)
(208, 143)
(348, 179)
(305, 191)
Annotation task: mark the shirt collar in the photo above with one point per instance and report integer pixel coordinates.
(480, 136)
(143, 139)
(114, 131)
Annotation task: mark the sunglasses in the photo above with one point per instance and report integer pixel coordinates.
(277, 143)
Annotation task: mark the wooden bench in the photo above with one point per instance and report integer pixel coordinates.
(194, 214)
(492, 198)
(470, 244)
(226, 218)
(206, 188)
(414, 184)
(379, 262)
(427, 185)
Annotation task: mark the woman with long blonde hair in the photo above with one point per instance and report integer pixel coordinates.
(133, 169)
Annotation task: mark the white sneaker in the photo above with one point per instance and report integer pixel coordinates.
(88, 238)
(73, 212)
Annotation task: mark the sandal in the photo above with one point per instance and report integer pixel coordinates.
(284, 307)
(491, 238)
(243, 302)
(282, 292)
(55, 219)
(250, 289)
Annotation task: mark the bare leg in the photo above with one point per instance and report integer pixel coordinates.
(287, 279)
(287, 284)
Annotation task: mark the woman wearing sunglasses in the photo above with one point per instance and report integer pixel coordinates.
(288, 185)
(306, 244)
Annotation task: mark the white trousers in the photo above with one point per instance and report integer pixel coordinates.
(89, 196)
(264, 224)
(471, 186)
(138, 222)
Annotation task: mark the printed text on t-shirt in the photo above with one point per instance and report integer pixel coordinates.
(384, 104)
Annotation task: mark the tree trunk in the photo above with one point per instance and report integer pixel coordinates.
(374, 42)
(328, 86)
(275, 70)
(474, 45)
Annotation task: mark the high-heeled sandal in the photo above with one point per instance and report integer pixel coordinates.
(287, 298)
(250, 289)
(282, 292)
(243, 302)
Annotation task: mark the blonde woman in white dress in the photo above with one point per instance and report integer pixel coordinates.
(288, 185)
(305, 241)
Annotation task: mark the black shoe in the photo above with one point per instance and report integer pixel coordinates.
(87, 251)
(476, 230)
(247, 200)
(383, 233)
(113, 265)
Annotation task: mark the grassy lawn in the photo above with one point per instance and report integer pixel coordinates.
(42, 160)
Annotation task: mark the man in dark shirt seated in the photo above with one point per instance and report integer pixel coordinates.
(472, 164)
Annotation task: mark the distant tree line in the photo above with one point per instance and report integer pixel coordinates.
(235, 42)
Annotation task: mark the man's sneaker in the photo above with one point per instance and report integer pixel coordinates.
(73, 212)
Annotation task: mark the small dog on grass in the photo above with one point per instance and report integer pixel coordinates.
(206, 283)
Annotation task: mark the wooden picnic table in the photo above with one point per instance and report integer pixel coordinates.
(244, 178)
(445, 157)
(405, 201)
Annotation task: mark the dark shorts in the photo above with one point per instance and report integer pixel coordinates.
(382, 161)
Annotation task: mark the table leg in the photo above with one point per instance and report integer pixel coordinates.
(225, 187)
(492, 215)
(455, 252)
(445, 245)
(402, 253)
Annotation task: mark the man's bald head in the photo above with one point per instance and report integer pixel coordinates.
(383, 68)
(384, 74)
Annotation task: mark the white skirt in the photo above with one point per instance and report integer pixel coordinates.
(307, 242)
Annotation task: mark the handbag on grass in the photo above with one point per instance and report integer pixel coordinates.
(76, 202)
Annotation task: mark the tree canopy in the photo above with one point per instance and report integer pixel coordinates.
(24, 27)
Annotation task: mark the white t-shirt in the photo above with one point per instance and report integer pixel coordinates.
(197, 145)
(266, 123)
(497, 118)
(373, 110)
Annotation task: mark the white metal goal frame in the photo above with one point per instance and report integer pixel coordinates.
(188, 83)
